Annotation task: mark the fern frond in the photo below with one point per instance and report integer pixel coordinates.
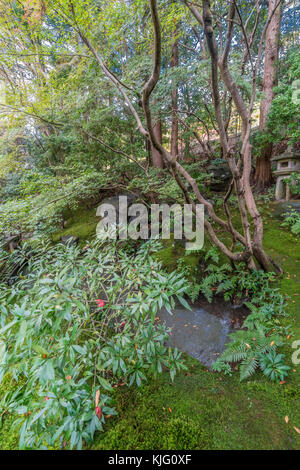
(248, 367)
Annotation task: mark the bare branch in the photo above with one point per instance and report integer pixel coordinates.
(35, 116)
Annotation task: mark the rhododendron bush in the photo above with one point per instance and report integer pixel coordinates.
(75, 323)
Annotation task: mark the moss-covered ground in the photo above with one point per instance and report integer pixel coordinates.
(81, 223)
(202, 409)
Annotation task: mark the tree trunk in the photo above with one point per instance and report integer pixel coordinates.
(263, 175)
(174, 132)
(157, 159)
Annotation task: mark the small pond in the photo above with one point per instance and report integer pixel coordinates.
(203, 332)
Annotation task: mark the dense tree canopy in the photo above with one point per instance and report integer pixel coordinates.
(75, 85)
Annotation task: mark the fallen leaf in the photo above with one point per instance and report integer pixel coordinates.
(286, 419)
(297, 430)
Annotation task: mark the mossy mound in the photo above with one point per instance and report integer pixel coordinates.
(81, 224)
(174, 253)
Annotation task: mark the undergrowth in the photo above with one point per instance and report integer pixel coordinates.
(255, 344)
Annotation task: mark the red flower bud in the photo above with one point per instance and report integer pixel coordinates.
(98, 411)
(100, 302)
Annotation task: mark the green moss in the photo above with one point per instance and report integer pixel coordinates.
(81, 223)
(170, 254)
(173, 253)
(9, 436)
(203, 410)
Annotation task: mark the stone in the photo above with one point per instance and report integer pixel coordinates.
(69, 240)
(11, 242)
(281, 208)
(221, 177)
(286, 163)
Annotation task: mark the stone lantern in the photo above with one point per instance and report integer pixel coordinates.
(287, 163)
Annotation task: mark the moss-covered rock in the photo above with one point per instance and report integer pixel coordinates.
(81, 224)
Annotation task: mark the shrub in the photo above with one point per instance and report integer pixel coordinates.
(292, 220)
(71, 347)
(273, 366)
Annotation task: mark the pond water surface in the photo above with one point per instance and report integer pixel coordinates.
(203, 332)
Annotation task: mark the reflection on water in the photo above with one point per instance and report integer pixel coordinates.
(199, 333)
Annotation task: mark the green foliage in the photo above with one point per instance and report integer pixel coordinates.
(220, 366)
(44, 212)
(283, 118)
(61, 347)
(260, 333)
(292, 220)
(267, 197)
(273, 366)
(293, 182)
(234, 284)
